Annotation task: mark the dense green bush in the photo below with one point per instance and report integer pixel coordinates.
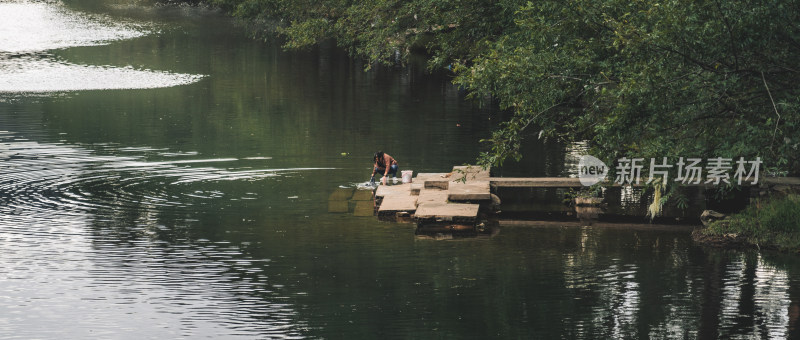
(770, 223)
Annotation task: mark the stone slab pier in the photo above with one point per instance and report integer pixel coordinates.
(453, 198)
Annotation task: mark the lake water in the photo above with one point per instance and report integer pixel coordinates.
(162, 175)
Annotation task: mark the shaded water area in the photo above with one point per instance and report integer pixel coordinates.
(164, 176)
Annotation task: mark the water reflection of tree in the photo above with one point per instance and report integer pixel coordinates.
(711, 296)
(789, 264)
(257, 98)
(794, 308)
(572, 282)
(645, 284)
(170, 260)
(652, 268)
(744, 296)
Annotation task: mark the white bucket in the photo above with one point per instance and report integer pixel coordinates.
(406, 174)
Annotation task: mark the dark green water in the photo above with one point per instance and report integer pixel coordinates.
(187, 207)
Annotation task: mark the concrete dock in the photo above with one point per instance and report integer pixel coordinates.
(454, 200)
(437, 198)
(569, 182)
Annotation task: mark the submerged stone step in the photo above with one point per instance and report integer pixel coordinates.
(338, 206)
(364, 208)
(341, 194)
(362, 195)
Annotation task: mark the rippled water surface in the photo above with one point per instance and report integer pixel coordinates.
(164, 176)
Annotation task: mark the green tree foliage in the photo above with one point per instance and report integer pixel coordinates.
(385, 31)
(651, 79)
(635, 78)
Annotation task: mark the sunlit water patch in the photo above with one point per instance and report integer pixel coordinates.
(27, 29)
(29, 26)
(32, 74)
